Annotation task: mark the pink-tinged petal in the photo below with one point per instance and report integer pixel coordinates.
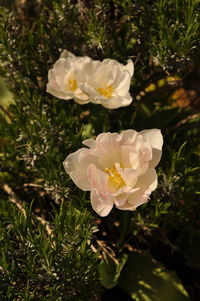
(144, 155)
(124, 205)
(155, 139)
(90, 92)
(129, 157)
(91, 143)
(148, 180)
(117, 101)
(129, 67)
(52, 80)
(67, 55)
(121, 200)
(101, 208)
(128, 137)
(58, 94)
(53, 85)
(61, 66)
(80, 61)
(76, 165)
(97, 178)
(146, 184)
(108, 147)
(81, 101)
(103, 74)
(129, 175)
(124, 84)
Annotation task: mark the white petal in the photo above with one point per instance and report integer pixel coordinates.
(146, 184)
(129, 175)
(129, 67)
(90, 92)
(91, 143)
(148, 180)
(58, 94)
(124, 84)
(155, 139)
(108, 146)
(52, 80)
(98, 206)
(81, 101)
(98, 180)
(76, 165)
(102, 76)
(121, 198)
(117, 102)
(67, 55)
(61, 67)
(128, 137)
(126, 206)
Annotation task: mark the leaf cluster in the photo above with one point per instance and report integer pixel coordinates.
(36, 263)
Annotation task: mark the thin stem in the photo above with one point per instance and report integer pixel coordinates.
(125, 219)
(8, 114)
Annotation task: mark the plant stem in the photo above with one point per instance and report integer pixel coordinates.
(125, 219)
(8, 114)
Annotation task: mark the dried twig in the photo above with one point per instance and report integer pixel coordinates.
(14, 199)
(8, 114)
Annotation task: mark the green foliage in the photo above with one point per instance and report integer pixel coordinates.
(176, 34)
(144, 279)
(34, 265)
(161, 37)
(110, 269)
(6, 97)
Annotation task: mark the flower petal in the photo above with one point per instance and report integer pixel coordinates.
(108, 147)
(124, 84)
(97, 179)
(100, 208)
(57, 93)
(81, 101)
(155, 139)
(129, 67)
(117, 102)
(76, 165)
(91, 143)
(67, 54)
(146, 184)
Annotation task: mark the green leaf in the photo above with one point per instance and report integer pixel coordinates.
(110, 270)
(161, 119)
(6, 97)
(145, 279)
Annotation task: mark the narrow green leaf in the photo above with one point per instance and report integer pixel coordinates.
(110, 270)
(145, 279)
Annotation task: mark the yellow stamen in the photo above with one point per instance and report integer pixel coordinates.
(115, 179)
(106, 92)
(72, 84)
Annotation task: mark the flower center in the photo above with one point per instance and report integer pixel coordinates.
(106, 92)
(72, 84)
(115, 179)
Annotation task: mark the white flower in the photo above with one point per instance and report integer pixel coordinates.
(62, 79)
(106, 83)
(118, 169)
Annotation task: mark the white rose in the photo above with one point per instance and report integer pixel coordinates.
(118, 169)
(106, 83)
(62, 79)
